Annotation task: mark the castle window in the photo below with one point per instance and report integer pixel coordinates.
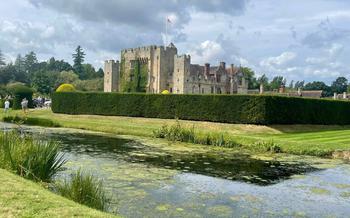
(202, 90)
(178, 70)
(171, 90)
(193, 89)
(212, 90)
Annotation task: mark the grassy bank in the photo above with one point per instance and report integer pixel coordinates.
(23, 198)
(297, 139)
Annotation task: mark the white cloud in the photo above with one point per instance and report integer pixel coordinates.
(280, 60)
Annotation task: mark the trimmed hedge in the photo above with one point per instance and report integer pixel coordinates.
(247, 109)
(20, 92)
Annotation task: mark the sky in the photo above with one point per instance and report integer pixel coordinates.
(300, 39)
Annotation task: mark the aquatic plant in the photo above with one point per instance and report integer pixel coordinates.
(31, 158)
(34, 121)
(263, 146)
(178, 133)
(84, 189)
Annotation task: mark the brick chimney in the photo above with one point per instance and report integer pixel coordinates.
(207, 69)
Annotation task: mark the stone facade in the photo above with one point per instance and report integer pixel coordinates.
(154, 69)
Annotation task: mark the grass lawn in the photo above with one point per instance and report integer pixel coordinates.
(296, 139)
(23, 198)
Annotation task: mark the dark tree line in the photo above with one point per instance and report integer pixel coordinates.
(46, 76)
(340, 85)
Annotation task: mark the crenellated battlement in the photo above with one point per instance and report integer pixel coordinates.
(162, 68)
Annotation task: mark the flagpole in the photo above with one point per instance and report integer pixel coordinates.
(166, 32)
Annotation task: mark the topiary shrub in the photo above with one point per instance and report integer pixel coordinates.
(19, 92)
(66, 88)
(165, 92)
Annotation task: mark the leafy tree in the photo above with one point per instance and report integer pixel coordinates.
(20, 63)
(249, 74)
(66, 77)
(58, 66)
(78, 59)
(100, 73)
(44, 81)
(318, 85)
(2, 59)
(277, 82)
(7, 74)
(89, 85)
(20, 72)
(30, 62)
(340, 85)
(89, 71)
(291, 84)
(299, 84)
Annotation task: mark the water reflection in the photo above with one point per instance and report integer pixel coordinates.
(238, 167)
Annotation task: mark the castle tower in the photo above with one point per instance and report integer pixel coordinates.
(111, 77)
(182, 65)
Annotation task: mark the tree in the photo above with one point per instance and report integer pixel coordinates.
(318, 85)
(89, 71)
(299, 84)
(58, 66)
(291, 84)
(277, 82)
(340, 85)
(89, 85)
(78, 59)
(7, 74)
(100, 73)
(264, 81)
(2, 59)
(66, 77)
(249, 75)
(44, 81)
(20, 73)
(30, 62)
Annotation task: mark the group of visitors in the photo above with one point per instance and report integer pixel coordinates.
(24, 104)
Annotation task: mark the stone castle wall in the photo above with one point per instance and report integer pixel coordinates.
(166, 70)
(111, 78)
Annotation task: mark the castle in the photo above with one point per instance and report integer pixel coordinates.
(154, 69)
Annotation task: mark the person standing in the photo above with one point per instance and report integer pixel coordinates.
(24, 105)
(7, 106)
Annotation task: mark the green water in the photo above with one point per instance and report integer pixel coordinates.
(143, 180)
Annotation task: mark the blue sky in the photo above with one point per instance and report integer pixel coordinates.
(299, 39)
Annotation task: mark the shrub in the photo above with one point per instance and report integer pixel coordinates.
(34, 121)
(31, 158)
(66, 88)
(20, 92)
(178, 133)
(265, 147)
(83, 189)
(248, 109)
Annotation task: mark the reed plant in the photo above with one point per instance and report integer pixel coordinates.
(85, 189)
(31, 158)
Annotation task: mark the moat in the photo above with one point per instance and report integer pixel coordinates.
(149, 181)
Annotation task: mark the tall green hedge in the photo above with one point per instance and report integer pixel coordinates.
(250, 109)
(20, 92)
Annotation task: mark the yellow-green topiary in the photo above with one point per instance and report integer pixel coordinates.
(66, 88)
(165, 92)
